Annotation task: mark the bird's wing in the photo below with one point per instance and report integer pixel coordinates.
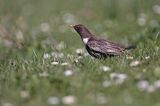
(104, 46)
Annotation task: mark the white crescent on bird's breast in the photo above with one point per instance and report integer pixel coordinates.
(85, 40)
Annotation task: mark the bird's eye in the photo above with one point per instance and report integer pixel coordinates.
(77, 27)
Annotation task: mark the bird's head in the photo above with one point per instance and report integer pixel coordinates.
(82, 30)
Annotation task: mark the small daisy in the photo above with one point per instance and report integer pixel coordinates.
(69, 100)
(118, 78)
(53, 100)
(134, 63)
(106, 83)
(105, 68)
(54, 63)
(68, 73)
(46, 56)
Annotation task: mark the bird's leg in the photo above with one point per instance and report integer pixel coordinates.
(128, 55)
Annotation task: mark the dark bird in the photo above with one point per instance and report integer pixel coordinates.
(98, 47)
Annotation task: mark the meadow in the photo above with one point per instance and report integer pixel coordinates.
(43, 61)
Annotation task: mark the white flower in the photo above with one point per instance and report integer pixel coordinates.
(129, 57)
(55, 63)
(68, 73)
(76, 60)
(142, 19)
(143, 85)
(46, 56)
(118, 78)
(105, 68)
(147, 57)
(19, 35)
(157, 84)
(24, 94)
(69, 100)
(156, 9)
(57, 54)
(134, 63)
(106, 83)
(150, 89)
(79, 51)
(79, 57)
(45, 27)
(53, 100)
(65, 64)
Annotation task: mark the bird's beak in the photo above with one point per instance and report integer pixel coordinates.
(71, 26)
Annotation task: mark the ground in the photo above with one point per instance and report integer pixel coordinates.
(43, 61)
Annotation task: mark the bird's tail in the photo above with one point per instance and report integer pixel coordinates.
(131, 47)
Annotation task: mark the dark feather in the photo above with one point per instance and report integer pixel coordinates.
(131, 47)
(104, 47)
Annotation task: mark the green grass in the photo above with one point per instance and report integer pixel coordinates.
(24, 41)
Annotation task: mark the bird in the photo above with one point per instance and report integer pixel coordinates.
(98, 47)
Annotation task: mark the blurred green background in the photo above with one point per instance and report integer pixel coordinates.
(31, 28)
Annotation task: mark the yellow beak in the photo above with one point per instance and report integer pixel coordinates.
(71, 26)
